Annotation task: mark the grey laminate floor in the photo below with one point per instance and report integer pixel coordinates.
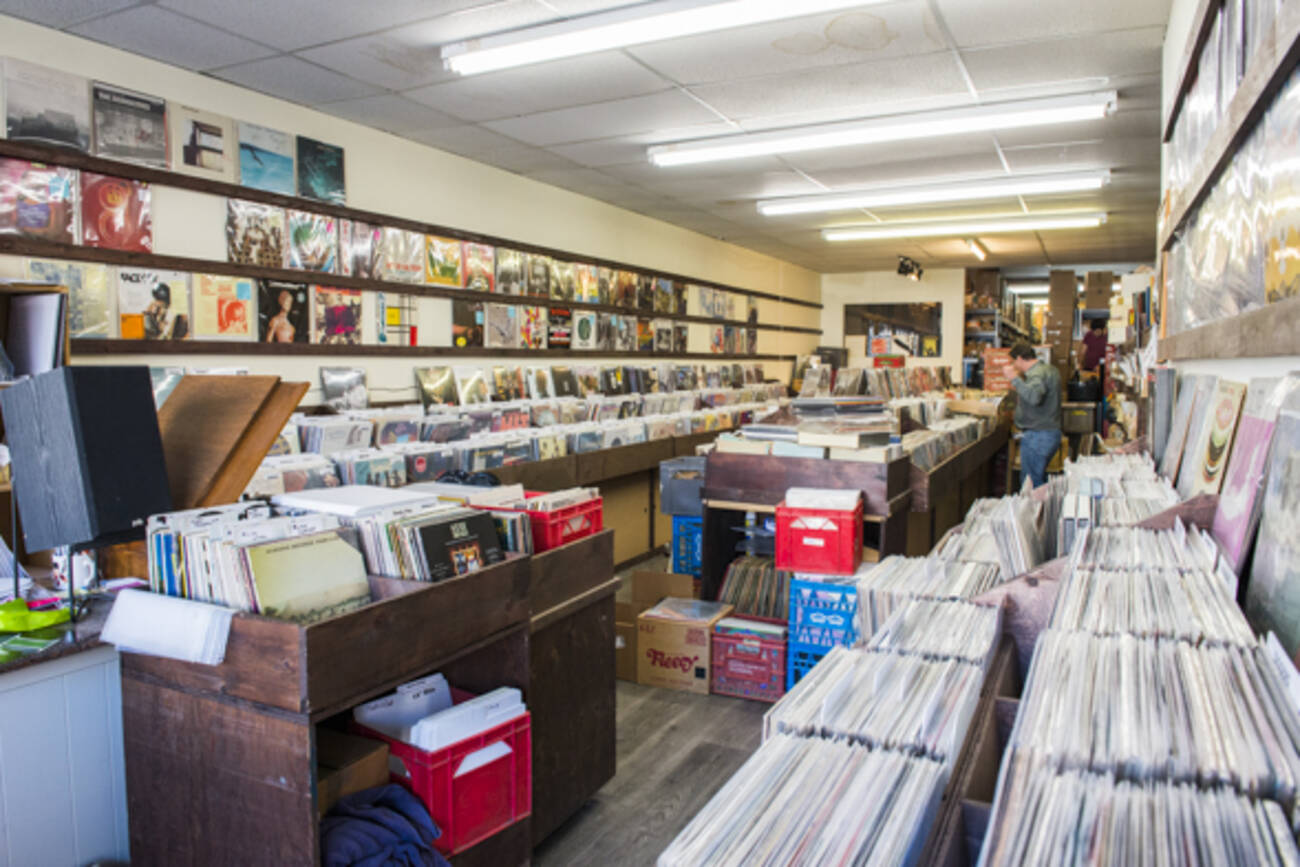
(675, 750)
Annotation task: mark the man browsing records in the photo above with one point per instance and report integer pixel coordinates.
(1038, 409)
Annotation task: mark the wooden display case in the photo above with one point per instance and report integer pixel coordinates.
(940, 496)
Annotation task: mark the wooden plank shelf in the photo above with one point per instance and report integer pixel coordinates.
(1204, 17)
(1265, 331)
(764, 479)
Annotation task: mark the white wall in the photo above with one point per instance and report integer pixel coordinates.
(395, 176)
(947, 286)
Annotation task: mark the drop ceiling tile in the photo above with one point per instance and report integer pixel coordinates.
(467, 140)
(908, 171)
(1116, 153)
(61, 13)
(295, 24)
(1000, 22)
(782, 47)
(632, 148)
(570, 8)
(522, 159)
(638, 114)
(171, 38)
(1124, 124)
(601, 77)
(295, 80)
(390, 112)
(1129, 52)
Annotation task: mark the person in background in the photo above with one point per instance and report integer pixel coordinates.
(1094, 345)
(1038, 409)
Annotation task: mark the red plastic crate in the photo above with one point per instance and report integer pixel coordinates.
(474, 806)
(562, 526)
(745, 666)
(822, 541)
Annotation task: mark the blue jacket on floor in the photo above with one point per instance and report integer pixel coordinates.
(385, 826)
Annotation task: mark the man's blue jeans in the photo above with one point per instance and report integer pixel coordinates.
(1036, 449)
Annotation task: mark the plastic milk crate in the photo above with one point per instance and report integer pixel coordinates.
(824, 541)
(561, 526)
(822, 615)
(688, 548)
(746, 666)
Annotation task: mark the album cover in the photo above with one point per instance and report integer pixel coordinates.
(663, 295)
(129, 126)
(501, 326)
(625, 289)
(511, 272)
(335, 315)
(565, 382)
(564, 285)
(538, 276)
(202, 143)
(583, 330)
(444, 262)
(606, 285)
(282, 312)
(45, 105)
(480, 272)
(679, 298)
(116, 213)
(345, 388)
(559, 328)
(605, 327)
(505, 383)
(320, 171)
(663, 339)
(153, 305)
(589, 380)
(717, 339)
(401, 256)
(729, 339)
(461, 546)
(532, 328)
(313, 242)
(1222, 414)
(396, 319)
(472, 385)
(359, 249)
(588, 284)
(646, 291)
(681, 334)
(625, 333)
(266, 159)
(645, 335)
(255, 234)
(90, 305)
(1273, 592)
(466, 324)
(611, 381)
(539, 383)
(223, 307)
(38, 201)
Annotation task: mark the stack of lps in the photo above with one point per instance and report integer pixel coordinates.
(801, 801)
(1105, 491)
(884, 586)
(1006, 531)
(754, 586)
(1134, 549)
(942, 629)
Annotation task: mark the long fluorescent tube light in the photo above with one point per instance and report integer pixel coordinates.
(903, 127)
(939, 192)
(620, 28)
(977, 250)
(985, 226)
(1043, 288)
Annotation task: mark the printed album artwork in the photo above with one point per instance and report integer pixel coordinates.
(501, 326)
(153, 305)
(444, 262)
(282, 312)
(480, 274)
(1169, 464)
(511, 267)
(1223, 413)
(336, 315)
(538, 276)
(313, 241)
(129, 126)
(359, 249)
(583, 329)
(532, 327)
(1273, 592)
(401, 256)
(45, 105)
(202, 143)
(320, 171)
(437, 386)
(38, 201)
(255, 234)
(625, 289)
(90, 304)
(223, 307)
(559, 328)
(396, 319)
(116, 213)
(1198, 432)
(266, 159)
(466, 324)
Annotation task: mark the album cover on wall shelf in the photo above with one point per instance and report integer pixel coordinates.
(116, 213)
(663, 331)
(605, 326)
(444, 262)
(401, 256)
(90, 304)
(282, 312)
(335, 315)
(506, 384)
(223, 307)
(606, 285)
(266, 159)
(320, 171)
(153, 305)
(532, 327)
(663, 295)
(646, 291)
(45, 105)
(587, 287)
(313, 241)
(500, 326)
(625, 290)
(480, 271)
(39, 201)
(564, 282)
(466, 324)
(559, 328)
(645, 335)
(538, 279)
(511, 268)
(255, 234)
(129, 126)
(565, 382)
(202, 143)
(625, 333)
(583, 329)
(396, 319)
(681, 333)
(359, 249)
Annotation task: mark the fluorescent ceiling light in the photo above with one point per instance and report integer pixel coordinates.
(902, 127)
(1028, 288)
(976, 250)
(619, 28)
(935, 192)
(976, 226)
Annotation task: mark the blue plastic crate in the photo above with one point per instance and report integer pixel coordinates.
(823, 614)
(688, 545)
(799, 660)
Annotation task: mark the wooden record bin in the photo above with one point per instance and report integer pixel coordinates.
(220, 760)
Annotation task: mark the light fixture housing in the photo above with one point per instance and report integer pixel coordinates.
(893, 128)
(991, 225)
(620, 28)
(977, 250)
(939, 192)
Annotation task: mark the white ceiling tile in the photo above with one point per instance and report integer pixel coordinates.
(1125, 124)
(523, 159)
(606, 119)
(1114, 153)
(295, 80)
(390, 112)
(592, 78)
(171, 38)
(632, 148)
(1129, 52)
(902, 171)
(777, 181)
(467, 140)
(61, 13)
(295, 24)
(999, 22)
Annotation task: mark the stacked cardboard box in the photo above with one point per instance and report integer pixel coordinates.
(640, 592)
(1062, 297)
(1097, 288)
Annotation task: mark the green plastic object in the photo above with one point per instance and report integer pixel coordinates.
(15, 616)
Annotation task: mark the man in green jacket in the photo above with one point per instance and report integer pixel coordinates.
(1038, 409)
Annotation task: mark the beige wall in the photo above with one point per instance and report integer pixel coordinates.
(394, 176)
(947, 286)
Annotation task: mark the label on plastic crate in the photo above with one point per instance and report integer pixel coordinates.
(813, 542)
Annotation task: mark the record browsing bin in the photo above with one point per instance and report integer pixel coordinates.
(822, 541)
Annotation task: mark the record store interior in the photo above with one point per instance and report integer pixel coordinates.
(650, 432)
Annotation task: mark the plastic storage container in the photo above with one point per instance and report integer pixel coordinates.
(562, 526)
(824, 541)
(823, 614)
(746, 666)
(476, 804)
(681, 483)
(799, 660)
(688, 545)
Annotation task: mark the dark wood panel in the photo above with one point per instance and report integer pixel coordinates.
(569, 571)
(203, 776)
(764, 479)
(685, 446)
(508, 847)
(622, 460)
(552, 475)
(1271, 330)
(78, 160)
(958, 466)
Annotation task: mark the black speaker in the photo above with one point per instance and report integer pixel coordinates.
(87, 455)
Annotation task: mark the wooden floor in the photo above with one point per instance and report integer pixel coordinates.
(675, 750)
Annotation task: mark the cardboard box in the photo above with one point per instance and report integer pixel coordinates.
(674, 643)
(1097, 288)
(346, 764)
(640, 591)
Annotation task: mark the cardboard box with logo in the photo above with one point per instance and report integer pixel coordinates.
(640, 591)
(1097, 289)
(674, 643)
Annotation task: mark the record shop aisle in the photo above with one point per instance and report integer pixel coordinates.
(675, 750)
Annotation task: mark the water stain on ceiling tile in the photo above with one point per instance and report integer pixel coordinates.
(860, 31)
(802, 44)
(411, 59)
